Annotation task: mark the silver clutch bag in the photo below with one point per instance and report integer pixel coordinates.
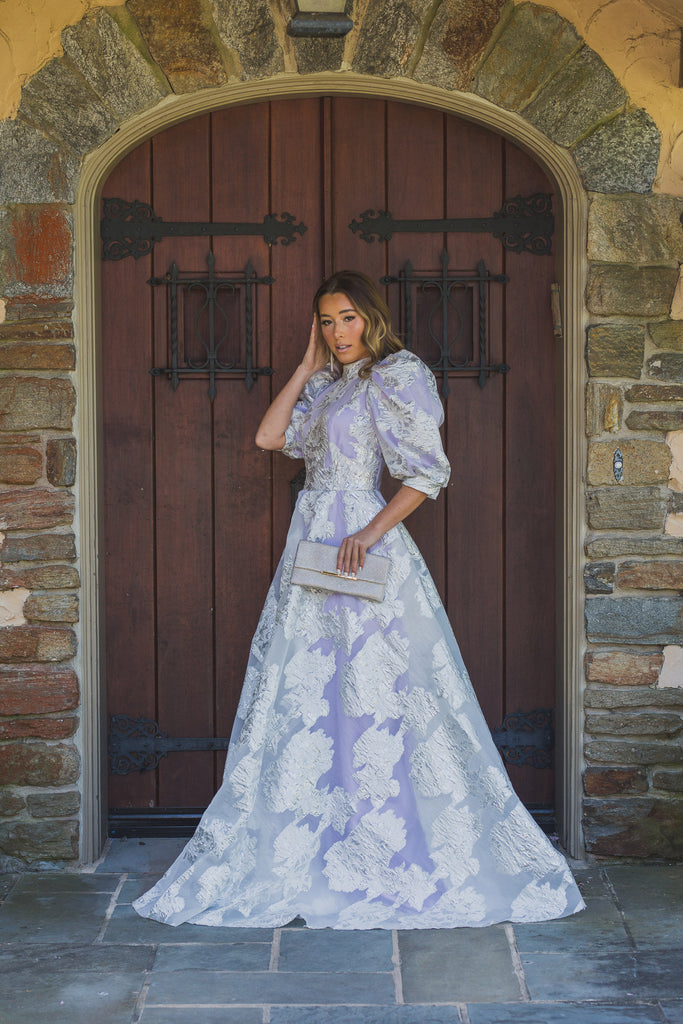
(315, 565)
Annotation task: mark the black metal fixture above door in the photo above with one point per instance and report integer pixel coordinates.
(211, 313)
(444, 308)
(524, 224)
(133, 229)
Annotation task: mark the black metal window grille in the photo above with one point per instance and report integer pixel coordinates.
(448, 313)
(208, 314)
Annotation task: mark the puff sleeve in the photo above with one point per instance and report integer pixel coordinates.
(295, 434)
(406, 411)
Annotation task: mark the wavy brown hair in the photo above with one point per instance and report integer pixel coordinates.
(378, 336)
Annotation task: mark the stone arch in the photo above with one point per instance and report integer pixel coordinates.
(527, 75)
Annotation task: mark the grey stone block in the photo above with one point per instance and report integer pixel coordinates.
(668, 334)
(621, 156)
(249, 30)
(607, 697)
(389, 36)
(615, 350)
(613, 547)
(645, 620)
(182, 38)
(531, 47)
(598, 578)
(666, 366)
(635, 229)
(34, 169)
(582, 94)
(457, 37)
(54, 805)
(620, 290)
(60, 100)
(626, 508)
(112, 65)
(318, 54)
(623, 752)
(634, 723)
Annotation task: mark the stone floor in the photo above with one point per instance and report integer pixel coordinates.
(73, 950)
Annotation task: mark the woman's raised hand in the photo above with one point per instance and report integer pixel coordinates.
(314, 357)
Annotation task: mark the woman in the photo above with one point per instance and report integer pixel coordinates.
(362, 788)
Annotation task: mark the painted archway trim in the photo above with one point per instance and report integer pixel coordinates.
(573, 219)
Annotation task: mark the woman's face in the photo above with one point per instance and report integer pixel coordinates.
(342, 328)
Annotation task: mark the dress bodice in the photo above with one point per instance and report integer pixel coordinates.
(347, 427)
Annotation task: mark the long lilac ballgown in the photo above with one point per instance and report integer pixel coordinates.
(362, 788)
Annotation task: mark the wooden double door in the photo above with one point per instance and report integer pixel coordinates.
(195, 516)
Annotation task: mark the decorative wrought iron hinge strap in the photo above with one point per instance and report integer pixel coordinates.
(524, 224)
(443, 285)
(211, 286)
(133, 229)
(526, 737)
(138, 744)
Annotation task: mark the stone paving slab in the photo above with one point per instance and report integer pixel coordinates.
(600, 926)
(202, 1015)
(458, 965)
(125, 925)
(673, 1011)
(241, 956)
(643, 974)
(141, 856)
(51, 918)
(53, 882)
(325, 950)
(70, 998)
(223, 988)
(365, 1015)
(562, 1013)
(637, 888)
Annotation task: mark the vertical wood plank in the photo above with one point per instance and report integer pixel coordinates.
(296, 161)
(129, 482)
(530, 475)
(475, 430)
(358, 181)
(183, 486)
(415, 189)
(242, 473)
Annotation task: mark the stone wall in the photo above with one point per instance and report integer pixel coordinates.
(634, 572)
(121, 61)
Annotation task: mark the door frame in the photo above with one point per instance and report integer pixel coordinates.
(571, 269)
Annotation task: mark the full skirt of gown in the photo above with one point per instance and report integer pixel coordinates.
(362, 787)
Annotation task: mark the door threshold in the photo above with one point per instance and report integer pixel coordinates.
(181, 822)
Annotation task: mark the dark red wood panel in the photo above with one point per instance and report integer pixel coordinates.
(530, 480)
(475, 429)
(181, 169)
(415, 188)
(128, 471)
(296, 177)
(242, 483)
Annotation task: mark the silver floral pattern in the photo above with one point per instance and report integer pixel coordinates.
(362, 788)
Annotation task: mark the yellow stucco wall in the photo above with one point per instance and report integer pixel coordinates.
(641, 45)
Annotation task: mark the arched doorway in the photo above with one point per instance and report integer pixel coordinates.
(179, 616)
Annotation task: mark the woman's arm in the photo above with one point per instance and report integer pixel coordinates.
(271, 432)
(351, 556)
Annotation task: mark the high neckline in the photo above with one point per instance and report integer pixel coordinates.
(351, 370)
